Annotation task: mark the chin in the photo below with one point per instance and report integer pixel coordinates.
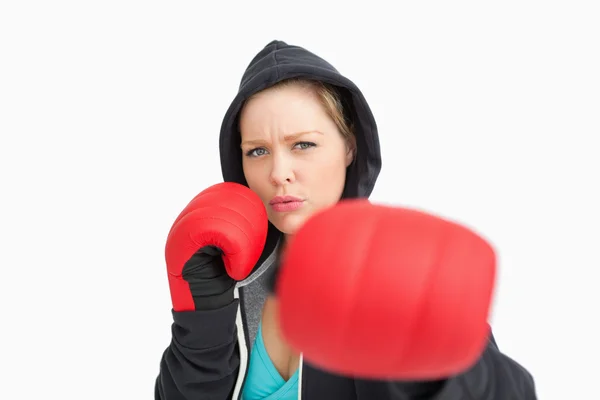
(290, 223)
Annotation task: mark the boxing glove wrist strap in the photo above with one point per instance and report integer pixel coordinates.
(210, 286)
(215, 301)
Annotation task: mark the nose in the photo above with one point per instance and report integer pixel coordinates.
(282, 170)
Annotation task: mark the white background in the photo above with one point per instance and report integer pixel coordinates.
(109, 120)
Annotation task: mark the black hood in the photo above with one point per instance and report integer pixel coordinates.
(279, 61)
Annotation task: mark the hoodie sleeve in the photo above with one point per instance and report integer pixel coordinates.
(494, 377)
(203, 359)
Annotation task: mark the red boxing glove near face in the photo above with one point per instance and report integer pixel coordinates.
(386, 293)
(216, 240)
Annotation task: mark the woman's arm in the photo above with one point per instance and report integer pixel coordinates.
(494, 377)
(214, 242)
(202, 361)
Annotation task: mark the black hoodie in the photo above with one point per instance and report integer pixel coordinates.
(208, 354)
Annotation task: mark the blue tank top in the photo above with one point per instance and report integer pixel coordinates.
(263, 382)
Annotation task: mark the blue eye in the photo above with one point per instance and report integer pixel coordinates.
(305, 145)
(260, 151)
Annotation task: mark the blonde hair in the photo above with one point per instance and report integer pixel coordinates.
(332, 102)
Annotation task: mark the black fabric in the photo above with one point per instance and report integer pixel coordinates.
(210, 285)
(320, 385)
(203, 358)
(494, 377)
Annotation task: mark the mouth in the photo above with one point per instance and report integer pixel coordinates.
(285, 199)
(286, 203)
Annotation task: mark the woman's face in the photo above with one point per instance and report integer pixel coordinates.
(291, 147)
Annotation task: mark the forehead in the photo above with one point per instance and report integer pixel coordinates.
(284, 110)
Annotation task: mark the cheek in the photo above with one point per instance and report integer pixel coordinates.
(256, 180)
(328, 177)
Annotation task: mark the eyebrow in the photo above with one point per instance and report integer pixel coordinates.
(288, 138)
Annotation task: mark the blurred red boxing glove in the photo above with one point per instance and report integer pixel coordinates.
(214, 242)
(386, 293)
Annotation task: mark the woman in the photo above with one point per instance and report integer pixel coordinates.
(296, 128)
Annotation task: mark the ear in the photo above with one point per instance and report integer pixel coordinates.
(349, 157)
